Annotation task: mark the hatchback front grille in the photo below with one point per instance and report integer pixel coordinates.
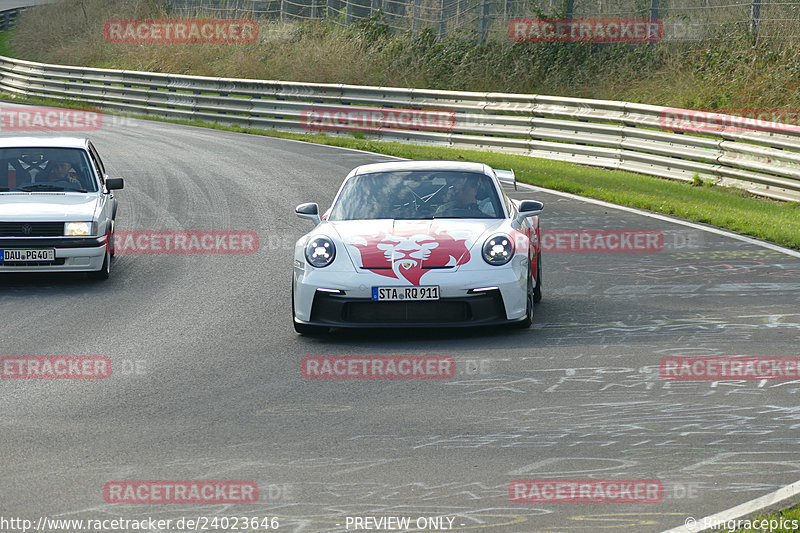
(31, 229)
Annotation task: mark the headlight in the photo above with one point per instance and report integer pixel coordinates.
(498, 250)
(78, 229)
(320, 252)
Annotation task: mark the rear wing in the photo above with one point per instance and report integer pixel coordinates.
(506, 176)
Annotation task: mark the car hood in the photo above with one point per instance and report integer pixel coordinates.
(411, 245)
(46, 207)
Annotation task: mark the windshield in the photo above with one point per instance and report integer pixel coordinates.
(45, 170)
(417, 195)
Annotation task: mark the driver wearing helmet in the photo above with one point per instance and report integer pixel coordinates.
(463, 201)
(59, 171)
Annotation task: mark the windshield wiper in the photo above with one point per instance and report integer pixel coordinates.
(40, 187)
(47, 187)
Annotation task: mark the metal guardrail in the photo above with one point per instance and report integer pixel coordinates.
(8, 18)
(608, 134)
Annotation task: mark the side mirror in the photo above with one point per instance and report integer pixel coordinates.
(529, 208)
(114, 183)
(308, 210)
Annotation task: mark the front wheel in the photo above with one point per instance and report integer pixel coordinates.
(528, 320)
(105, 270)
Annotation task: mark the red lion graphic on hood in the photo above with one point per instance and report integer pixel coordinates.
(411, 251)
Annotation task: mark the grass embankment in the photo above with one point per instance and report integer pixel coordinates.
(367, 55)
(785, 517)
(726, 73)
(5, 47)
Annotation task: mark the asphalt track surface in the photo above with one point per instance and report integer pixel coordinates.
(207, 383)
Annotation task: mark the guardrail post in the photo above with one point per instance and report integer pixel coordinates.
(755, 15)
(442, 21)
(348, 12)
(485, 10)
(653, 17)
(415, 18)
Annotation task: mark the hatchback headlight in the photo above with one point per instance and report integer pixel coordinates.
(498, 250)
(78, 229)
(320, 252)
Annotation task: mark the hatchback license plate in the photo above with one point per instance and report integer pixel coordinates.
(23, 256)
(396, 294)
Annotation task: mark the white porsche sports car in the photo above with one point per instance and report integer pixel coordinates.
(415, 244)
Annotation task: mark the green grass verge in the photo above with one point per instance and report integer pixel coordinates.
(723, 207)
(5, 43)
(784, 517)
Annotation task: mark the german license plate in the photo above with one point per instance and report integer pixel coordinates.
(22, 256)
(395, 294)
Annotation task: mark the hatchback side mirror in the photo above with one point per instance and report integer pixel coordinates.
(114, 183)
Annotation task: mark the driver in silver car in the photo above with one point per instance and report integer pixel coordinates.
(58, 171)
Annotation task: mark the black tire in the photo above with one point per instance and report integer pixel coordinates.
(528, 320)
(537, 290)
(105, 270)
(111, 241)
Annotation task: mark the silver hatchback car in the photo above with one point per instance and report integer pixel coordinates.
(57, 209)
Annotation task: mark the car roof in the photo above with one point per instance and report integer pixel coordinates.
(405, 166)
(44, 142)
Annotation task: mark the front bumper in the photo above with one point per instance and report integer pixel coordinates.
(71, 255)
(460, 305)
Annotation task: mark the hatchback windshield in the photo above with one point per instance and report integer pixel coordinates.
(45, 169)
(417, 195)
